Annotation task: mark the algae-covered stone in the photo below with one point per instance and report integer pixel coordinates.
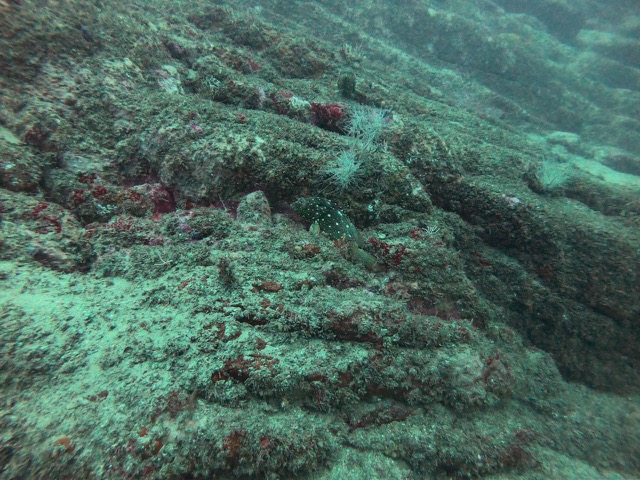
(254, 208)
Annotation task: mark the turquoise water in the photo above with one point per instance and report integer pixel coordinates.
(322, 240)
